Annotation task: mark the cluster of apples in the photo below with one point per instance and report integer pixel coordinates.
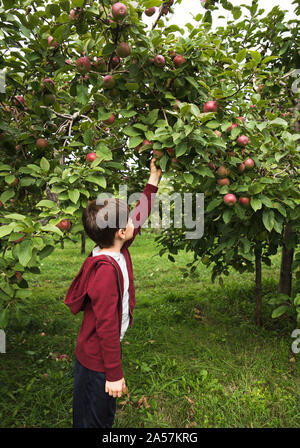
(223, 172)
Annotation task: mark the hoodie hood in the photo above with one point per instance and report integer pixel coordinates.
(77, 293)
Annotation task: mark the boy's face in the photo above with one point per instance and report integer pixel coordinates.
(127, 233)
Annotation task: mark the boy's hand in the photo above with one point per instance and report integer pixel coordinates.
(155, 173)
(115, 388)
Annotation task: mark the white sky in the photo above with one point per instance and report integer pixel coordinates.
(182, 13)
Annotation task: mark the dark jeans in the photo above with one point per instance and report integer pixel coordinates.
(92, 406)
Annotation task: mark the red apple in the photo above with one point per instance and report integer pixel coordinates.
(157, 154)
(74, 14)
(222, 171)
(242, 119)
(245, 202)
(171, 151)
(19, 276)
(123, 50)
(41, 143)
(231, 127)
(241, 168)
(19, 239)
(83, 64)
(243, 140)
(119, 11)
(64, 224)
(150, 11)
(159, 60)
(164, 10)
(212, 166)
(179, 60)
(108, 82)
(110, 120)
(229, 199)
(51, 42)
(19, 100)
(63, 357)
(47, 81)
(218, 133)
(68, 61)
(210, 106)
(146, 142)
(91, 157)
(99, 65)
(224, 181)
(249, 164)
(115, 61)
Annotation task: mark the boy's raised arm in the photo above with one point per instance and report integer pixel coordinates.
(142, 210)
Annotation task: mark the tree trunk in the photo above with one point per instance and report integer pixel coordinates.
(285, 282)
(258, 287)
(82, 243)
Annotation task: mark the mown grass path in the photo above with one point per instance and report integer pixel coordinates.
(193, 357)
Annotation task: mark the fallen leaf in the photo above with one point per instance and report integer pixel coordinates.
(143, 402)
(189, 400)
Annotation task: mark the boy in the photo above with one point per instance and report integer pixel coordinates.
(104, 290)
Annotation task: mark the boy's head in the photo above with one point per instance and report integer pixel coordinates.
(108, 221)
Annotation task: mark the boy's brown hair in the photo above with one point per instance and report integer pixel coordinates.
(101, 220)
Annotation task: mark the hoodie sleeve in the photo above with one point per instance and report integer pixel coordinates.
(104, 294)
(142, 210)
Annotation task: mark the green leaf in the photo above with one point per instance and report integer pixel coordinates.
(99, 180)
(15, 216)
(213, 204)
(6, 195)
(255, 188)
(181, 149)
(130, 131)
(188, 177)
(46, 203)
(268, 219)
(241, 55)
(5, 230)
(44, 164)
(256, 204)
(74, 195)
(88, 137)
(152, 116)
(255, 56)
(192, 81)
(52, 228)
(82, 93)
(134, 142)
(227, 215)
(25, 252)
(280, 311)
(103, 152)
(279, 122)
(213, 124)
(46, 251)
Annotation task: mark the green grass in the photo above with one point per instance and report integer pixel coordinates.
(219, 370)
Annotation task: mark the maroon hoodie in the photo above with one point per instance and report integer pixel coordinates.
(97, 290)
